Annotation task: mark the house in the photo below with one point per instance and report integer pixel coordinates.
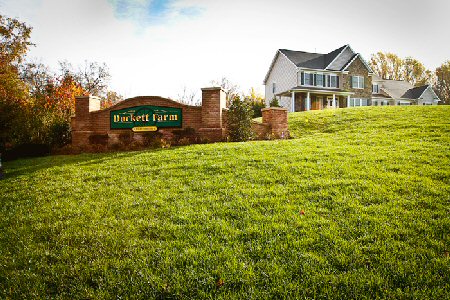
(398, 92)
(342, 78)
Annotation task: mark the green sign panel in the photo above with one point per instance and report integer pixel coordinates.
(146, 118)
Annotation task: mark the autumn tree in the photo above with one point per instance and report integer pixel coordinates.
(14, 44)
(390, 66)
(442, 86)
(110, 99)
(92, 76)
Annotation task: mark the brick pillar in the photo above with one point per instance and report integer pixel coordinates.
(81, 123)
(277, 118)
(213, 103)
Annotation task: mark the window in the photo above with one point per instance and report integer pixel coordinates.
(319, 80)
(274, 88)
(308, 79)
(333, 81)
(357, 82)
(354, 102)
(375, 89)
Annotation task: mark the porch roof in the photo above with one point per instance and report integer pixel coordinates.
(316, 90)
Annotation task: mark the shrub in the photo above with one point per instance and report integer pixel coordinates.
(185, 136)
(239, 120)
(59, 133)
(256, 108)
(153, 139)
(274, 102)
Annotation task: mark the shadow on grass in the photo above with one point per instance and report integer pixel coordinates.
(25, 166)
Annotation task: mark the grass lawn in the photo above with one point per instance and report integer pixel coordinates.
(356, 206)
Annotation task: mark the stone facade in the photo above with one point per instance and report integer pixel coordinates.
(208, 121)
(357, 68)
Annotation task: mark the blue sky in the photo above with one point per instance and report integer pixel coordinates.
(159, 47)
(151, 12)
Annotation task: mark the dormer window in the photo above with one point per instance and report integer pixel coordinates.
(375, 88)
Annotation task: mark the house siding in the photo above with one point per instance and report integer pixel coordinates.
(357, 68)
(427, 97)
(284, 74)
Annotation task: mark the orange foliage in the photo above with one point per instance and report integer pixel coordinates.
(62, 97)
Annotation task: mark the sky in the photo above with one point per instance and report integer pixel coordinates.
(160, 47)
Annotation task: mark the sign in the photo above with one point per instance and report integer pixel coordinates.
(145, 128)
(146, 118)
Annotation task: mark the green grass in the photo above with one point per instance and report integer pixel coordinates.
(374, 185)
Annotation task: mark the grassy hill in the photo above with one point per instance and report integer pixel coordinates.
(356, 206)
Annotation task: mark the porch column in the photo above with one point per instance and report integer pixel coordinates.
(334, 101)
(308, 102)
(293, 101)
(348, 100)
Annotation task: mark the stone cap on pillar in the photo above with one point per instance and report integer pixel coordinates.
(213, 88)
(273, 108)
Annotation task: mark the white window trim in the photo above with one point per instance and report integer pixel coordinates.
(324, 82)
(360, 102)
(359, 82)
(378, 88)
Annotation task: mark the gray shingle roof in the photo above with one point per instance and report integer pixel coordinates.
(318, 60)
(415, 93)
(399, 88)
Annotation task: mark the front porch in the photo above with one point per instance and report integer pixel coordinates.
(308, 99)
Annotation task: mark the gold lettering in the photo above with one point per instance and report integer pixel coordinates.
(173, 117)
(116, 118)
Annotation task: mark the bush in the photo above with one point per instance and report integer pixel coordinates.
(239, 120)
(154, 140)
(274, 102)
(256, 108)
(59, 134)
(185, 136)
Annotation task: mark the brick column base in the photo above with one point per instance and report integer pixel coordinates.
(277, 118)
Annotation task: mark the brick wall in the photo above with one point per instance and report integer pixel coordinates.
(208, 120)
(277, 118)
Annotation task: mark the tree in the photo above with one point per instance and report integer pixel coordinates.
(256, 102)
(14, 44)
(442, 86)
(93, 76)
(387, 65)
(239, 120)
(274, 102)
(415, 72)
(110, 99)
(188, 97)
(390, 66)
(229, 87)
